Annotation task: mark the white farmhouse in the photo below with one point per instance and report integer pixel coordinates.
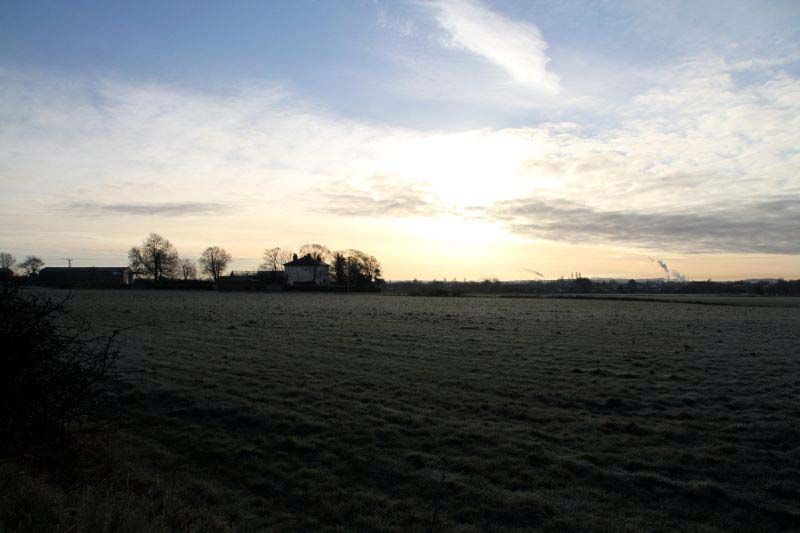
(306, 272)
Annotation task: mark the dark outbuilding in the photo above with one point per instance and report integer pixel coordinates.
(96, 276)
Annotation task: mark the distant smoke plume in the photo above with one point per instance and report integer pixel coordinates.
(673, 274)
(533, 272)
(677, 276)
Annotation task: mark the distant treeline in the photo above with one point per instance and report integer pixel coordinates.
(587, 286)
(156, 264)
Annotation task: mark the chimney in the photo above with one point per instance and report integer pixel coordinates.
(294, 257)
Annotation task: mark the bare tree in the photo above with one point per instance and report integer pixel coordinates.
(214, 260)
(31, 265)
(156, 257)
(188, 269)
(274, 258)
(7, 260)
(318, 252)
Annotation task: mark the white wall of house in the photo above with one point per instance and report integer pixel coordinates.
(305, 274)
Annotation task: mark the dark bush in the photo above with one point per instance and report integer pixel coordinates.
(52, 372)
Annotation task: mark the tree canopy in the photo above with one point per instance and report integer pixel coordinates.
(31, 265)
(214, 260)
(274, 258)
(7, 260)
(355, 269)
(156, 257)
(188, 270)
(317, 251)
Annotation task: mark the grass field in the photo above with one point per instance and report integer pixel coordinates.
(316, 411)
(700, 299)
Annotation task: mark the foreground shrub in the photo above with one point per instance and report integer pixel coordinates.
(52, 372)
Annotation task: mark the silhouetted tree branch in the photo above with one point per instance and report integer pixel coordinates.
(31, 265)
(52, 370)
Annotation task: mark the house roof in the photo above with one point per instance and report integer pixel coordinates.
(83, 269)
(306, 260)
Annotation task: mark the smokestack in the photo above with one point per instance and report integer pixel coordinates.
(663, 266)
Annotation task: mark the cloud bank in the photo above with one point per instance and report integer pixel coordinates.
(169, 209)
(769, 226)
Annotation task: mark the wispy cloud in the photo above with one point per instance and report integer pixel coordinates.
(517, 47)
(763, 227)
(167, 209)
(380, 196)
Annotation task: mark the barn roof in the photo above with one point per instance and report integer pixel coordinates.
(84, 269)
(306, 260)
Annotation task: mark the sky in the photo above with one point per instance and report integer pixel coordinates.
(462, 139)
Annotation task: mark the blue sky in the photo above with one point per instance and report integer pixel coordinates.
(568, 136)
(346, 55)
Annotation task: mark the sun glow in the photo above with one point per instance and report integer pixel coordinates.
(468, 168)
(455, 231)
